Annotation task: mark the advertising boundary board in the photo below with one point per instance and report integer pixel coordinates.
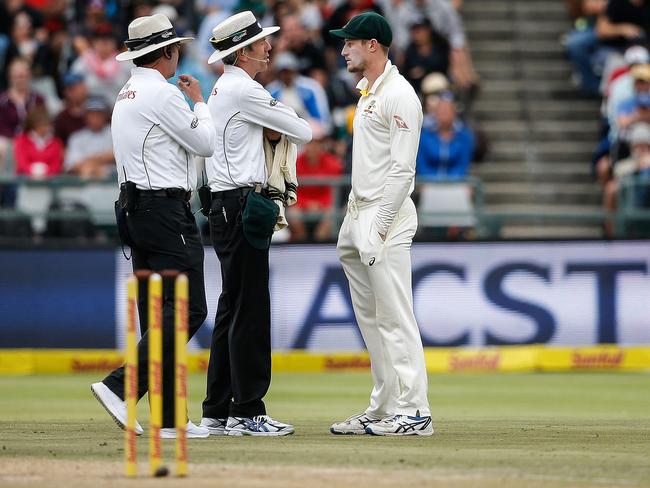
(439, 360)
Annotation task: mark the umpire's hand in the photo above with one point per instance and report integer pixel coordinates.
(191, 86)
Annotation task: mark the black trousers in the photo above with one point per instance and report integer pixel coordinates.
(239, 371)
(165, 236)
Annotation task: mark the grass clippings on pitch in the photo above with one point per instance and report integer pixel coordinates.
(492, 430)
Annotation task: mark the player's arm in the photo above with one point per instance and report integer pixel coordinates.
(260, 108)
(404, 114)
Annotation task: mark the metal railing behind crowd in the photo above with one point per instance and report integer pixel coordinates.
(68, 207)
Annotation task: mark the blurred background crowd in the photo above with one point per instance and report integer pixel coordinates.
(59, 80)
(608, 49)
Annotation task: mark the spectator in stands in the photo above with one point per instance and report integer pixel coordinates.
(38, 152)
(9, 10)
(637, 164)
(18, 99)
(316, 202)
(72, 117)
(446, 143)
(89, 14)
(447, 22)
(634, 109)
(299, 92)
(90, 150)
(104, 75)
(14, 105)
(25, 44)
(620, 85)
(624, 22)
(295, 38)
(213, 13)
(445, 154)
(425, 54)
(583, 45)
(342, 13)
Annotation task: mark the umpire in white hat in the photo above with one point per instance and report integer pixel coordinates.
(155, 137)
(239, 372)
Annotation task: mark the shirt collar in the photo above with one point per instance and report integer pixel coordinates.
(148, 72)
(236, 70)
(362, 86)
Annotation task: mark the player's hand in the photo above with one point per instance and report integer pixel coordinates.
(190, 86)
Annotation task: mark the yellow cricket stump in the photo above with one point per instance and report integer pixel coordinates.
(181, 318)
(182, 313)
(155, 370)
(131, 378)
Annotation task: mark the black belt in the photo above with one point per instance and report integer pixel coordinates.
(167, 193)
(235, 192)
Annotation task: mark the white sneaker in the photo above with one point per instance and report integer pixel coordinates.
(114, 405)
(261, 425)
(215, 426)
(402, 425)
(354, 425)
(192, 432)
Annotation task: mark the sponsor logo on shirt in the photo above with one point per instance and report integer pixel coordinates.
(126, 94)
(214, 92)
(370, 108)
(400, 122)
(273, 102)
(195, 123)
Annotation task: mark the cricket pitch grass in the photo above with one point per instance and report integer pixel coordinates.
(491, 430)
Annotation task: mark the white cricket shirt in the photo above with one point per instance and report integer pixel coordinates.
(241, 108)
(156, 135)
(386, 136)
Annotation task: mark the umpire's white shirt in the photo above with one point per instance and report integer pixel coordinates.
(241, 108)
(385, 142)
(156, 134)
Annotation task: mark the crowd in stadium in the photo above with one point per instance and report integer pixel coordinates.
(59, 79)
(608, 48)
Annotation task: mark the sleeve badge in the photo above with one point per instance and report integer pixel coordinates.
(400, 122)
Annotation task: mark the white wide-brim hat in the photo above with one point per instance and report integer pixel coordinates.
(146, 34)
(236, 32)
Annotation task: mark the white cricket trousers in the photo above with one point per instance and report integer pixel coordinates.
(382, 298)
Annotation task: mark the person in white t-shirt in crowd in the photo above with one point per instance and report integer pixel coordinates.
(90, 150)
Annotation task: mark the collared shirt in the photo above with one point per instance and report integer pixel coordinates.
(241, 108)
(156, 134)
(385, 142)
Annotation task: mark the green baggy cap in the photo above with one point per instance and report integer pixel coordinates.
(259, 219)
(368, 25)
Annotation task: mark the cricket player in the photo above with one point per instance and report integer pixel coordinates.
(375, 238)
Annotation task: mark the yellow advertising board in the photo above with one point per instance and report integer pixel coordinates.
(453, 360)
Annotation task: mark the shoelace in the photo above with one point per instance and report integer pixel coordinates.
(262, 418)
(355, 417)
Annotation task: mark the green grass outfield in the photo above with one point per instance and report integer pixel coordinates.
(590, 429)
